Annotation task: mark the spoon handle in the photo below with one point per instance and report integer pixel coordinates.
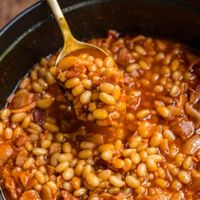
(64, 27)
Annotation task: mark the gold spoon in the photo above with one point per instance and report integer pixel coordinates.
(71, 44)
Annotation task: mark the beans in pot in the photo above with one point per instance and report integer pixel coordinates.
(153, 153)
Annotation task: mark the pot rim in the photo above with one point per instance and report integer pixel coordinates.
(31, 8)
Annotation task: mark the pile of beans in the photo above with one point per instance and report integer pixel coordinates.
(154, 153)
(94, 87)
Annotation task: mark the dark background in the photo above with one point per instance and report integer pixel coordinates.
(10, 8)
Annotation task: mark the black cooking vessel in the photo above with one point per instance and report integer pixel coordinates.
(34, 33)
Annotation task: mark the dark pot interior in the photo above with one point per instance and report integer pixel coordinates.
(34, 33)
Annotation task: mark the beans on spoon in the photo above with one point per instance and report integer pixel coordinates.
(92, 81)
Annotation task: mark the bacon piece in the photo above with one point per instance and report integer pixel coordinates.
(6, 151)
(22, 99)
(30, 195)
(183, 128)
(39, 116)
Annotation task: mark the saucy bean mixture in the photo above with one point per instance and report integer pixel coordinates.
(94, 87)
(153, 154)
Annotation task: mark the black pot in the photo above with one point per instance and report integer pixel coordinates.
(34, 33)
